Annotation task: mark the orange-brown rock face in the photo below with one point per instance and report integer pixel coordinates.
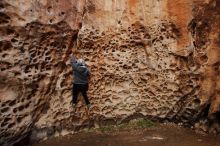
(156, 59)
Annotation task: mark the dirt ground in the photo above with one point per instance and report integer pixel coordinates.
(162, 135)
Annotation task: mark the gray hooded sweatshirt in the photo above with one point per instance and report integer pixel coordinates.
(80, 73)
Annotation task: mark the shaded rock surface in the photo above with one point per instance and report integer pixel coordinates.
(154, 59)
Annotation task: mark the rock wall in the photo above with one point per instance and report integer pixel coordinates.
(155, 59)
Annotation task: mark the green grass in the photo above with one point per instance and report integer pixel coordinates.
(133, 124)
(142, 123)
(107, 128)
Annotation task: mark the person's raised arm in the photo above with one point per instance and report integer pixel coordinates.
(73, 61)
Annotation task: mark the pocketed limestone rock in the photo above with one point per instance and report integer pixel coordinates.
(152, 59)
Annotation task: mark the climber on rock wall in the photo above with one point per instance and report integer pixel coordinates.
(80, 84)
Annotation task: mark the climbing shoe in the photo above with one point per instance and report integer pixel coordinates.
(88, 106)
(73, 105)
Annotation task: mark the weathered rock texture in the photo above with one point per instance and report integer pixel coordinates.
(152, 58)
